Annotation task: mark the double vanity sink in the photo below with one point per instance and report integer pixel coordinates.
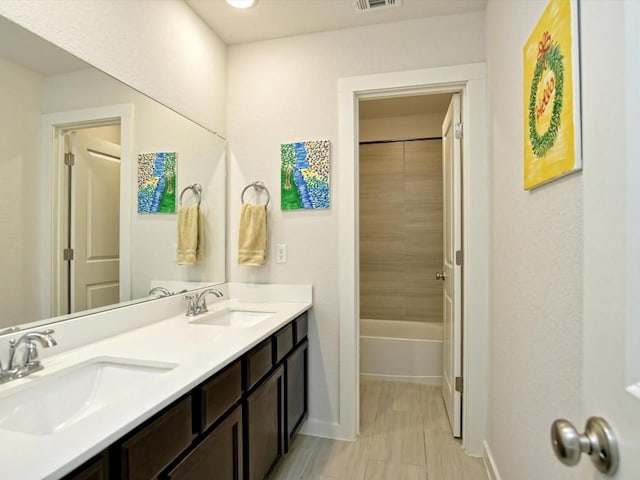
(88, 397)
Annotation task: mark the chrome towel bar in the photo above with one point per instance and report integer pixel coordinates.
(260, 187)
(196, 188)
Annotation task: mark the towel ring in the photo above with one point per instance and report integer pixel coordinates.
(196, 188)
(260, 187)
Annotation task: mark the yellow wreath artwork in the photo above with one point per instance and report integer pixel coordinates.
(549, 57)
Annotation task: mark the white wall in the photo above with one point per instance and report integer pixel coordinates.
(20, 97)
(536, 278)
(160, 47)
(286, 90)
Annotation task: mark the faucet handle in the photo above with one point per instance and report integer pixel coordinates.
(31, 355)
(192, 307)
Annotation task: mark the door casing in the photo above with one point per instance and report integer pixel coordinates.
(54, 125)
(470, 80)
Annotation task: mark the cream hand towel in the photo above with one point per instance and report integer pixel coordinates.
(252, 244)
(189, 233)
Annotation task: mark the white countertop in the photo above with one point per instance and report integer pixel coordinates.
(198, 351)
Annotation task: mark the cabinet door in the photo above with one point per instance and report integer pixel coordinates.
(265, 426)
(218, 456)
(297, 396)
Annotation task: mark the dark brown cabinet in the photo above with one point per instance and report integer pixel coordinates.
(236, 425)
(215, 396)
(94, 469)
(296, 367)
(155, 445)
(218, 456)
(265, 426)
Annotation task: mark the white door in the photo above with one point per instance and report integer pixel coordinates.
(451, 274)
(611, 122)
(95, 224)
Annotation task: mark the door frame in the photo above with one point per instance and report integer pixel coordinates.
(470, 80)
(53, 127)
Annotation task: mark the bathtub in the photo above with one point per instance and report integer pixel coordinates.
(401, 351)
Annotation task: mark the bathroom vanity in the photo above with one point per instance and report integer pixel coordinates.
(236, 424)
(220, 395)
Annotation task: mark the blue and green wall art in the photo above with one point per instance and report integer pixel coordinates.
(157, 182)
(304, 175)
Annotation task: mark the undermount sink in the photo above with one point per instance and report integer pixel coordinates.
(234, 317)
(49, 403)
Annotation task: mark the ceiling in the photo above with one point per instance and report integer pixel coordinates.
(401, 106)
(270, 19)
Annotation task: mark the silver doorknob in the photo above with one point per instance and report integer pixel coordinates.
(598, 441)
(441, 276)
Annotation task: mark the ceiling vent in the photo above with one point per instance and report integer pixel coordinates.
(364, 6)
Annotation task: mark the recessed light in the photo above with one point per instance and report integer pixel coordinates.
(242, 3)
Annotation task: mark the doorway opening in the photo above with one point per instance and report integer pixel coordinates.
(469, 80)
(402, 294)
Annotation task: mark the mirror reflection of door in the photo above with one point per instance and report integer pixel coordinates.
(93, 218)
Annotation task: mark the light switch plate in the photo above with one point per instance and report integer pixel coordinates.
(281, 253)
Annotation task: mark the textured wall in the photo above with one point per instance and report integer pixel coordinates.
(536, 273)
(285, 90)
(160, 47)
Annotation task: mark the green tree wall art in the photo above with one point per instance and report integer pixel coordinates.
(304, 175)
(157, 182)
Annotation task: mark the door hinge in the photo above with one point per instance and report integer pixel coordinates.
(459, 384)
(458, 131)
(69, 159)
(459, 257)
(67, 254)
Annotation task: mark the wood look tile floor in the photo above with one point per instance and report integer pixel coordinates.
(404, 435)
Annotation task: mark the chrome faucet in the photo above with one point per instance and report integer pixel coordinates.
(30, 362)
(198, 302)
(160, 291)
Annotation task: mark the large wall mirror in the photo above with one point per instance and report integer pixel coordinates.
(71, 238)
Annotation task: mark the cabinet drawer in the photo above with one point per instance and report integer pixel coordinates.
(217, 395)
(258, 362)
(152, 448)
(94, 469)
(218, 456)
(283, 342)
(300, 327)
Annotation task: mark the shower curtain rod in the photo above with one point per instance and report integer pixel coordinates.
(396, 141)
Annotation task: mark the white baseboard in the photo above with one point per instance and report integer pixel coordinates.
(403, 378)
(316, 428)
(489, 463)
